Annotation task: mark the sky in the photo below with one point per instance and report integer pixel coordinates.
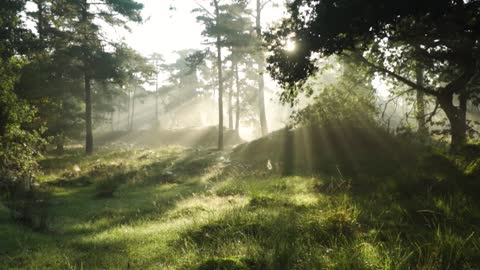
(170, 25)
(167, 30)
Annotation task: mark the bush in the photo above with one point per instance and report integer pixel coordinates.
(19, 143)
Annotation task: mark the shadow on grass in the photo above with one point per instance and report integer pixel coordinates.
(140, 194)
(405, 206)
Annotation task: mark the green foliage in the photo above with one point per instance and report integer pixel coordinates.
(14, 37)
(345, 98)
(19, 150)
(337, 105)
(50, 84)
(392, 39)
(18, 143)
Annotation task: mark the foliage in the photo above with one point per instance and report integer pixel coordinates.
(346, 98)
(19, 150)
(15, 38)
(334, 105)
(18, 143)
(440, 36)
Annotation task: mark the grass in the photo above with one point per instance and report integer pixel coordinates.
(180, 208)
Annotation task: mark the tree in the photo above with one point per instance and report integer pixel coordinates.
(48, 79)
(260, 5)
(19, 141)
(88, 46)
(157, 59)
(242, 44)
(214, 29)
(442, 36)
(133, 70)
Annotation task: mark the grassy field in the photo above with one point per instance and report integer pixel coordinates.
(179, 208)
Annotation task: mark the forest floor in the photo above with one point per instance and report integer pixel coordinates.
(181, 208)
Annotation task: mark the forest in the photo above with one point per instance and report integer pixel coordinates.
(240, 134)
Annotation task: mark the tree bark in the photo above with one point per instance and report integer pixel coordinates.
(457, 117)
(133, 107)
(157, 124)
(420, 113)
(59, 143)
(230, 108)
(88, 115)
(261, 70)
(87, 83)
(129, 106)
(40, 17)
(237, 105)
(112, 126)
(220, 80)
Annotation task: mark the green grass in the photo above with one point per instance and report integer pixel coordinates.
(178, 208)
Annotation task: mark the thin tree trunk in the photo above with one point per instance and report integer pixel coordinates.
(59, 142)
(112, 126)
(133, 107)
(237, 105)
(87, 82)
(157, 124)
(230, 108)
(420, 114)
(40, 17)
(261, 70)
(129, 101)
(220, 80)
(88, 115)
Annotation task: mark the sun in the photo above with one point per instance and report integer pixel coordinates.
(290, 45)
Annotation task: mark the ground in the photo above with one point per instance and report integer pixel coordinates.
(187, 208)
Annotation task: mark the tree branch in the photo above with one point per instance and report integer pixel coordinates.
(460, 83)
(204, 9)
(395, 75)
(433, 113)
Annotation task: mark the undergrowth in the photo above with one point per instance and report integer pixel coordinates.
(177, 208)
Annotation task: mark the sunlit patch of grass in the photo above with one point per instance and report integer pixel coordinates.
(210, 216)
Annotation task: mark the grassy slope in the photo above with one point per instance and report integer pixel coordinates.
(209, 215)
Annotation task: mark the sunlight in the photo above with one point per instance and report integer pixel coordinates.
(226, 134)
(290, 46)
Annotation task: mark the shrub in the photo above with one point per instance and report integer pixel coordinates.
(19, 142)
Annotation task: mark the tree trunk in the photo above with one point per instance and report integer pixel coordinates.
(237, 105)
(129, 101)
(133, 107)
(220, 80)
(420, 113)
(261, 70)
(40, 17)
(157, 124)
(59, 143)
(457, 116)
(112, 126)
(230, 108)
(88, 115)
(87, 78)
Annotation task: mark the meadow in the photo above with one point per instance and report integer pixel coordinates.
(195, 208)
